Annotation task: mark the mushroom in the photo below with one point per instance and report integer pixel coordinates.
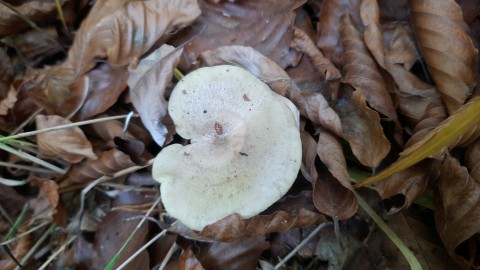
(244, 153)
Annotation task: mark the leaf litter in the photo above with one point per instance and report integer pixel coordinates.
(364, 75)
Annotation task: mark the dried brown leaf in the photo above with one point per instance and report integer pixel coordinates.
(370, 14)
(36, 11)
(6, 73)
(148, 82)
(105, 84)
(361, 128)
(238, 255)
(188, 261)
(403, 188)
(328, 39)
(361, 71)
(45, 204)
(127, 33)
(107, 163)
(457, 212)
(19, 250)
(303, 43)
(252, 60)
(9, 101)
(266, 26)
(472, 159)
(400, 47)
(446, 48)
(70, 144)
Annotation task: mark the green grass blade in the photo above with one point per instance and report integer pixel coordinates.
(17, 223)
(31, 158)
(407, 253)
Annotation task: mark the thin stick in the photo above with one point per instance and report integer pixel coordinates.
(81, 123)
(20, 235)
(172, 250)
(304, 241)
(57, 252)
(22, 125)
(134, 255)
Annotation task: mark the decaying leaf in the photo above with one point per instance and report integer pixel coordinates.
(302, 43)
(36, 11)
(331, 13)
(9, 101)
(237, 255)
(45, 204)
(361, 128)
(70, 144)
(370, 14)
(457, 129)
(446, 48)
(361, 71)
(188, 261)
(403, 188)
(265, 25)
(457, 212)
(148, 82)
(107, 163)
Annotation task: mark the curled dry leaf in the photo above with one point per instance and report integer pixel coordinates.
(6, 73)
(325, 193)
(107, 163)
(104, 85)
(361, 128)
(238, 255)
(45, 204)
(188, 261)
(265, 25)
(143, 22)
(457, 212)
(461, 128)
(302, 43)
(400, 47)
(9, 101)
(403, 188)
(36, 11)
(252, 60)
(446, 48)
(370, 14)
(70, 144)
(148, 82)
(361, 71)
(331, 13)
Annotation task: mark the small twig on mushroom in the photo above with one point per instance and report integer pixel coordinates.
(301, 244)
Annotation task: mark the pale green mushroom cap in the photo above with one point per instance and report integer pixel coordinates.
(245, 150)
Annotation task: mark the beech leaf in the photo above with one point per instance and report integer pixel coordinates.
(148, 82)
(70, 144)
(446, 47)
(456, 129)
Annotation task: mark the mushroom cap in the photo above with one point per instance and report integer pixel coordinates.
(245, 150)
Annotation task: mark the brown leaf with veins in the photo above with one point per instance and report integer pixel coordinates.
(266, 26)
(105, 85)
(400, 47)
(303, 43)
(370, 14)
(70, 144)
(401, 189)
(107, 163)
(457, 212)
(45, 204)
(127, 33)
(331, 13)
(148, 82)
(36, 11)
(361, 71)
(325, 193)
(446, 48)
(238, 255)
(361, 128)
